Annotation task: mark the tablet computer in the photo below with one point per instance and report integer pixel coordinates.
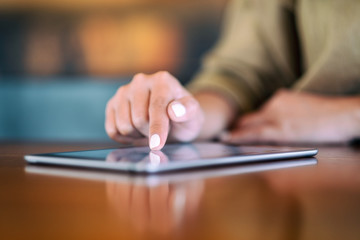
(172, 157)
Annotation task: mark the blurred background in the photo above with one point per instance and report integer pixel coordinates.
(61, 60)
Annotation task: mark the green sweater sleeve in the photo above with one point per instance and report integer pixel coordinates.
(255, 54)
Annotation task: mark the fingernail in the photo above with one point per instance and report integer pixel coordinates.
(154, 141)
(178, 109)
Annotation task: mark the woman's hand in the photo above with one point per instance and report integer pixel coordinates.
(153, 106)
(292, 117)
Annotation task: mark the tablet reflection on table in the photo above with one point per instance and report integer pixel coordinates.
(165, 203)
(158, 209)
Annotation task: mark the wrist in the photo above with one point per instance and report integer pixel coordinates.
(218, 113)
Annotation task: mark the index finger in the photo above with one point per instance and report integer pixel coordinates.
(158, 118)
(164, 89)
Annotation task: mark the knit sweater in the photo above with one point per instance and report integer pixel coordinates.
(304, 45)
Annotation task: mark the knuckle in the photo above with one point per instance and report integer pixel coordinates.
(138, 78)
(164, 77)
(121, 94)
(139, 75)
(120, 91)
(164, 74)
(125, 129)
(139, 121)
(140, 81)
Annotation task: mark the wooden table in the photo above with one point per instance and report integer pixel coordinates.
(316, 201)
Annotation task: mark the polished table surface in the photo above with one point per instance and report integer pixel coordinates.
(319, 200)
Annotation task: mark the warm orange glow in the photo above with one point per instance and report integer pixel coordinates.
(43, 54)
(96, 4)
(106, 37)
(128, 45)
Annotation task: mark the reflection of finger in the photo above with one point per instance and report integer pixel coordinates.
(112, 157)
(177, 200)
(120, 197)
(140, 208)
(154, 158)
(194, 192)
(127, 154)
(160, 212)
(157, 157)
(258, 134)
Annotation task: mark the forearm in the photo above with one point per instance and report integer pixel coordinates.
(219, 113)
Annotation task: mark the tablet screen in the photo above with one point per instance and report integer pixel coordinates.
(171, 152)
